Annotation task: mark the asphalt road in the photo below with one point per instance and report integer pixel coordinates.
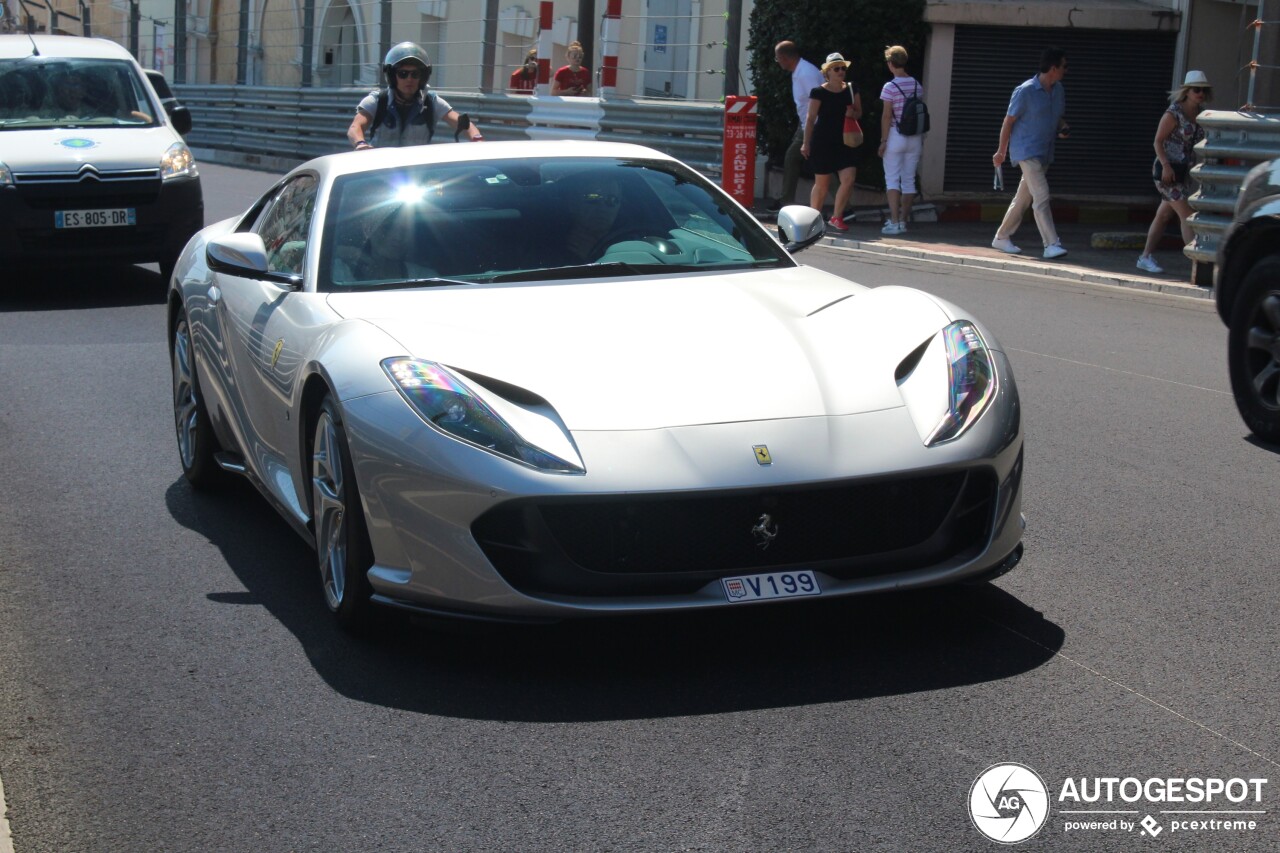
(169, 679)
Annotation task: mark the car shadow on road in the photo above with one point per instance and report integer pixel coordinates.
(630, 668)
(78, 288)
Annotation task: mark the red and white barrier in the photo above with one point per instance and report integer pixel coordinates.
(609, 36)
(546, 46)
(738, 168)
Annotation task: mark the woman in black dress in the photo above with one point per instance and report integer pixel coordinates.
(829, 105)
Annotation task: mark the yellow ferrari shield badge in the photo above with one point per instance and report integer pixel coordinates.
(762, 454)
(275, 355)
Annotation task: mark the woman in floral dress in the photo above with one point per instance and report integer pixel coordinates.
(1176, 137)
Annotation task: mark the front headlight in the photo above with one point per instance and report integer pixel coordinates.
(6, 177)
(956, 362)
(447, 404)
(177, 162)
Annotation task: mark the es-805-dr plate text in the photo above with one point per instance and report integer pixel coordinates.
(772, 585)
(94, 218)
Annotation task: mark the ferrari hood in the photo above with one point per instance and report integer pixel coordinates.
(647, 353)
(66, 149)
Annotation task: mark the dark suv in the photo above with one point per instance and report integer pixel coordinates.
(1247, 290)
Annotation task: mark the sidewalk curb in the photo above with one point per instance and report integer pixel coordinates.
(918, 252)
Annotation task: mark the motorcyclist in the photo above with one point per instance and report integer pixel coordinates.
(406, 112)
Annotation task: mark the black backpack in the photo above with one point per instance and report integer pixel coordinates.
(915, 115)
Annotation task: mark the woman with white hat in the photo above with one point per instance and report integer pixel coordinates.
(1176, 137)
(824, 148)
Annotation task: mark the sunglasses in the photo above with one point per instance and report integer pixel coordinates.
(601, 199)
(839, 68)
(1199, 90)
(406, 73)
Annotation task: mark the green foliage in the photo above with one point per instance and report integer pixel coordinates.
(859, 29)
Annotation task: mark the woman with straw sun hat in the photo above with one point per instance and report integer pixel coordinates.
(824, 148)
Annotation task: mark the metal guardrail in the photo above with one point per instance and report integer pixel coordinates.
(1234, 143)
(305, 123)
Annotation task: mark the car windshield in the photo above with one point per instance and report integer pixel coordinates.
(40, 92)
(533, 219)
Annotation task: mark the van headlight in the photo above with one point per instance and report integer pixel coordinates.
(6, 177)
(177, 162)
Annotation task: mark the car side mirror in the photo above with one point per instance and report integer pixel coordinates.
(238, 254)
(799, 227)
(180, 116)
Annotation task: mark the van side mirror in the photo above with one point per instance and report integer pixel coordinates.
(180, 116)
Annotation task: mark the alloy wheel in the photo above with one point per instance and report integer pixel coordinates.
(329, 497)
(186, 403)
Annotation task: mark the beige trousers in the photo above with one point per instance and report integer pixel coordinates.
(1033, 192)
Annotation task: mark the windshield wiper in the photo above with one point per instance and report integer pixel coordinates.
(571, 271)
(400, 284)
(605, 270)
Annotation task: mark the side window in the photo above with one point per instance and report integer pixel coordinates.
(286, 224)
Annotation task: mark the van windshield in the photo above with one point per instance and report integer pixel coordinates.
(38, 92)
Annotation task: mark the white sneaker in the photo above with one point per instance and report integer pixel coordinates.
(1146, 263)
(902, 227)
(1054, 251)
(891, 228)
(1005, 245)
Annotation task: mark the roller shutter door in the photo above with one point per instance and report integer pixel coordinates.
(1117, 84)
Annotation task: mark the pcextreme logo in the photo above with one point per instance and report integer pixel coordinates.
(1010, 802)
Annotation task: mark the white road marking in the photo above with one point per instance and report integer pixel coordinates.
(6, 838)
(1142, 696)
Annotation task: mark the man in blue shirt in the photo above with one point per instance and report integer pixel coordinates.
(1027, 137)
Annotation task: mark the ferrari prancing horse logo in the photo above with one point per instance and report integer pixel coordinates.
(762, 454)
(275, 354)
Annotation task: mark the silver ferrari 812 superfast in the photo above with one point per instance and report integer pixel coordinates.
(529, 381)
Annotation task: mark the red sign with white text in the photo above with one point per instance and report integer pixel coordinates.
(738, 168)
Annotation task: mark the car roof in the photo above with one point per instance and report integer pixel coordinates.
(70, 47)
(351, 162)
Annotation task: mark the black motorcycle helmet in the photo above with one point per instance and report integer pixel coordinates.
(406, 52)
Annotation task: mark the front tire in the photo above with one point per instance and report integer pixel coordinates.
(1253, 349)
(342, 539)
(196, 441)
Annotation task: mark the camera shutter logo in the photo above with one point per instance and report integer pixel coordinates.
(1008, 803)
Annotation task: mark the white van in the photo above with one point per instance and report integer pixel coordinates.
(92, 168)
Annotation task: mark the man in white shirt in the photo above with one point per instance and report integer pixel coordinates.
(805, 77)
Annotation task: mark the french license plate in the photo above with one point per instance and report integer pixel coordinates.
(772, 585)
(94, 218)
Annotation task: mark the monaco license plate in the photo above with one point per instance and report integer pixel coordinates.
(772, 585)
(94, 218)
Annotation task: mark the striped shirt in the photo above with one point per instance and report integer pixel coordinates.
(896, 92)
